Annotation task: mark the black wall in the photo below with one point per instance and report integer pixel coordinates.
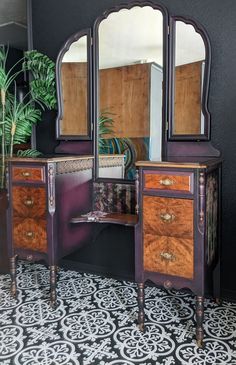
(54, 21)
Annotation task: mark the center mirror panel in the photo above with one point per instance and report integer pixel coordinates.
(130, 77)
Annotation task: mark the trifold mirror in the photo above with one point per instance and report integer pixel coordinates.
(73, 71)
(144, 86)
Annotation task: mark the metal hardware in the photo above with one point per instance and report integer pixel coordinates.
(26, 173)
(167, 256)
(29, 234)
(167, 182)
(167, 284)
(167, 218)
(29, 202)
(167, 125)
(29, 257)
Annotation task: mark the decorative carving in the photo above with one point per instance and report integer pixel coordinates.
(66, 167)
(201, 202)
(51, 188)
(53, 283)
(13, 260)
(167, 284)
(211, 216)
(137, 192)
(199, 320)
(111, 161)
(141, 314)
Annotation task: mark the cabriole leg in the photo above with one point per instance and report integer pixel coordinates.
(53, 284)
(199, 320)
(141, 299)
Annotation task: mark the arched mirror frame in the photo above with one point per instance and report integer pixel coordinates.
(75, 37)
(96, 76)
(206, 79)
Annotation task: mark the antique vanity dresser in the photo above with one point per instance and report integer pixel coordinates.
(138, 94)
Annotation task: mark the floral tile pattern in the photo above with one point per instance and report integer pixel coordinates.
(95, 323)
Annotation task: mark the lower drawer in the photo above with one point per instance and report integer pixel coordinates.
(168, 255)
(30, 234)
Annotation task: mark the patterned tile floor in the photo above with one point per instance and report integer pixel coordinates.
(94, 323)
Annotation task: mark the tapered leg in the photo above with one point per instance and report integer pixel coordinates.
(13, 260)
(141, 313)
(199, 320)
(53, 284)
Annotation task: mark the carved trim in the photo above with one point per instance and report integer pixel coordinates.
(111, 161)
(51, 188)
(137, 191)
(201, 201)
(66, 167)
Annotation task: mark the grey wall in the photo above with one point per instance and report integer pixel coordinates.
(54, 21)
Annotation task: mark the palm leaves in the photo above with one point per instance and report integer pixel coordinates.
(43, 85)
(18, 117)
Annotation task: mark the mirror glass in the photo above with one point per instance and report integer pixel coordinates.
(74, 90)
(130, 79)
(189, 64)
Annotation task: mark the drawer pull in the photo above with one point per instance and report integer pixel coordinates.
(167, 256)
(167, 218)
(26, 174)
(29, 202)
(167, 182)
(29, 234)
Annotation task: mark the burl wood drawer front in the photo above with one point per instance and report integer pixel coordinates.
(168, 255)
(30, 174)
(169, 181)
(168, 216)
(29, 202)
(30, 234)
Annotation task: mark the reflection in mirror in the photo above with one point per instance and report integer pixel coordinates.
(130, 90)
(74, 121)
(188, 80)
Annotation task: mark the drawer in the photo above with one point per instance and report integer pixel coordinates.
(30, 234)
(168, 216)
(28, 201)
(170, 181)
(168, 255)
(29, 174)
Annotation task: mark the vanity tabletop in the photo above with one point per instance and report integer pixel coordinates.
(182, 162)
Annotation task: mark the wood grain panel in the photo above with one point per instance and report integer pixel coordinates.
(125, 92)
(168, 181)
(75, 103)
(30, 234)
(187, 116)
(168, 217)
(168, 255)
(25, 173)
(29, 201)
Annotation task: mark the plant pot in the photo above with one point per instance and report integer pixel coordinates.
(4, 266)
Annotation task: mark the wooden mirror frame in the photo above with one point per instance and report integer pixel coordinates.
(205, 136)
(75, 37)
(96, 76)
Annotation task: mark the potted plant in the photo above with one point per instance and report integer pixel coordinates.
(17, 117)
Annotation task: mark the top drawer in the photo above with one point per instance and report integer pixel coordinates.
(169, 180)
(29, 174)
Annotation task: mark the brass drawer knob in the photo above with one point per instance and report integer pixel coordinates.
(167, 256)
(29, 202)
(167, 218)
(29, 234)
(26, 174)
(167, 182)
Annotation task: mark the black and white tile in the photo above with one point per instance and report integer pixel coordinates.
(94, 323)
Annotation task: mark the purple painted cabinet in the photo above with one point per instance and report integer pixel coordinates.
(178, 235)
(44, 193)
